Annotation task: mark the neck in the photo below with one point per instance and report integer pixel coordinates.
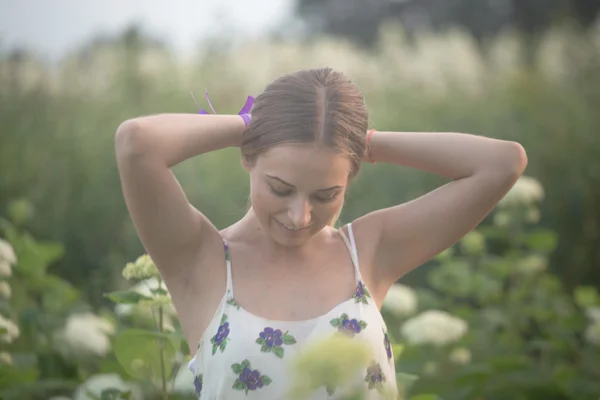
(250, 227)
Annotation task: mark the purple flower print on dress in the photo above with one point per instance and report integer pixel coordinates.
(375, 377)
(248, 378)
(361, 294)
(387, 345)
(219, 341)
(347, 325)
(272, 340)
(198, 385)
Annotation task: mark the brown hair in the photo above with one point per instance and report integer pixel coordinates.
(307, 106)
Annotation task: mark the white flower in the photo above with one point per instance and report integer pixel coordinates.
(526, 191)
(5, 290)
(400, 300)
(184, 381)
(7, 253)
(593, 313)
(5, 358)
(592, 333)
(460, 356)
(97, 383)
(7, 258)
(86, 333)
(5, 268)
(145, 288)
(434, 327)
(142, 268)
(12, 330)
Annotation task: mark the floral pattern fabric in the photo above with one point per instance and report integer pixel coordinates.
(246, 354)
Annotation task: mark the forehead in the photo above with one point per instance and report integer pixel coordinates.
(311, 164)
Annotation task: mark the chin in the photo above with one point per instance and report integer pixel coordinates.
(288, 238)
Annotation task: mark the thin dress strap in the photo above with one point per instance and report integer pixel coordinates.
(351, 245)
(229, 290)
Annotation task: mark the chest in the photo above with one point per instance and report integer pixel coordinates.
(292, 292)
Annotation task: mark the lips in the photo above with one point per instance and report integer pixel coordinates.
(294, 230)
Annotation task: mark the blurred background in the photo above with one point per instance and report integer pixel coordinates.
(520, 293)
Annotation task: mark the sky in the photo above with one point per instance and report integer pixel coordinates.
(53, 27)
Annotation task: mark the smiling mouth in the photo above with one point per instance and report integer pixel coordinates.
(291, 229)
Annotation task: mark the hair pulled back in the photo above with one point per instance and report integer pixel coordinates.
(315, 105)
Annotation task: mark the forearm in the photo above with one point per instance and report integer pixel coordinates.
(451, 155)
(173, 138)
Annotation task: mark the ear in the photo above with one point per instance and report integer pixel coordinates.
(245, 164)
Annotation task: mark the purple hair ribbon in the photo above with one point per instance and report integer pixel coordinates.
(245, 112)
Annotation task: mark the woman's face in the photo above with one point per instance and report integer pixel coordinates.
(297, 189)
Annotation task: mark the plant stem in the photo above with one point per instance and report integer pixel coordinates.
(161, 348)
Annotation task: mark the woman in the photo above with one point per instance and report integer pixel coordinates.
(252, 295)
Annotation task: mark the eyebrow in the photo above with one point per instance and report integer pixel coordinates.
(290, 185)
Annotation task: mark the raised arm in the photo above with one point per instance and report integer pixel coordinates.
(400, 238)
(172, 231)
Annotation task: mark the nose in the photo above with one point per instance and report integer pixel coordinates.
(300, 213)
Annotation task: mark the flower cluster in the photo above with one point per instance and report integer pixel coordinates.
(142, 268)
(7, 258)
(400, 301)
(434, 327)
(85, 333)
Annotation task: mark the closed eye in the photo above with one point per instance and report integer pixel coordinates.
(324, 198)
(281, 193)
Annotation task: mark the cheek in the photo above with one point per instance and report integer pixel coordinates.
(324, 212)
(264, 201)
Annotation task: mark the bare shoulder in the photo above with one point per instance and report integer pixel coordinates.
(365, 233)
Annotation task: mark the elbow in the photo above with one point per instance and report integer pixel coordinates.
(129, 139)
(517, 158)
(509, 162)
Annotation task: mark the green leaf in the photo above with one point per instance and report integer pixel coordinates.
(238, 385)
(509, 363)
(335, 322)
(114, 394)
(344, 316)
(223, 319)
(245, 364)
(405, 381)
(288, 339)
(137, 351)
(159, 292)
(265, 380)
(586, 296)
(265, 349)
(278, 351)
(237, 368)
(362, 324)
(425, 397)
(260, 341)
(214, 348)
(126, 297)
(542, 240)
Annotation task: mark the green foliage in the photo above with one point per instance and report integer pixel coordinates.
(39, 304)
(524, 338)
